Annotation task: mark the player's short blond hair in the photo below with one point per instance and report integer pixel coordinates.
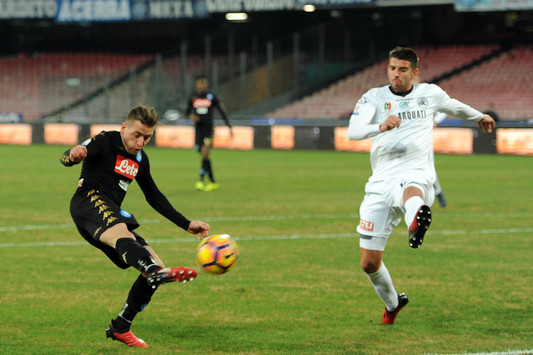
(147, 115)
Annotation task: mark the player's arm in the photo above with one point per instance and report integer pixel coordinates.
(222, 110)
(189, 112)
(161, 204)
(74, 156)
(362, 123)
(459, 109)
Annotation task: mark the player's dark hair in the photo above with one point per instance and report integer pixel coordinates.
(201, 77)
(145, 114)
(405, 53)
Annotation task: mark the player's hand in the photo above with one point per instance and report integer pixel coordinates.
(195, 118)
(390, 123)
(78, 153)
(199, 228)
(487, 124)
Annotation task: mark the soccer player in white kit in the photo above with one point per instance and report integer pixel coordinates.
(399, 118)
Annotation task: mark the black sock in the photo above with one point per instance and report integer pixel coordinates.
(134, 254)
(206, 165)
(138, 298)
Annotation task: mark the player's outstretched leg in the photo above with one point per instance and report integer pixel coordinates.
(127, 337)
(419, 226)
(171, 274)
(443, 202)
(390, 317)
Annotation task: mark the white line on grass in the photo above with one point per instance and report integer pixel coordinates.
(268, 237)
(510, 352)
(354, 216)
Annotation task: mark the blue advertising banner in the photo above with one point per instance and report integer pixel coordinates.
(93, 10)
(493, 5)
(28, 9)
(334, 2)
(168, 9)
(248, 5)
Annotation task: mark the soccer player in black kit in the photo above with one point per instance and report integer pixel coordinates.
(200, 108)
(111, 161)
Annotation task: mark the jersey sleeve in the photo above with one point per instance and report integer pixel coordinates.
(457, 108)
(65, 159)
(92, 149)
(220, 107)
(158, 200)
(362, 123)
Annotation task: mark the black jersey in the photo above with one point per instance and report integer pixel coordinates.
(203, 105)
(109, 168)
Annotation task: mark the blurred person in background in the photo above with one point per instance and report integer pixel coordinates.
(399, 118)
(200, 108)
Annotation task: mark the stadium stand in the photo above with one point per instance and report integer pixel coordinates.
(475, 86)
(35, 85)
(505, 83)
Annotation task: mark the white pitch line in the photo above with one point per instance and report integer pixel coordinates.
(268, 237)
(15, 229)
(509, 352)
(443, 214)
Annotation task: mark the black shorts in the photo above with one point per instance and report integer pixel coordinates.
(93, 213)
(204, 135)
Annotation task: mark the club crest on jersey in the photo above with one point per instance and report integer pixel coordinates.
(126, 167)
(125, 213)
(423, 102)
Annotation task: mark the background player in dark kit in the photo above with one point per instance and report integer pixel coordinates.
(111, 161)
(200, 108)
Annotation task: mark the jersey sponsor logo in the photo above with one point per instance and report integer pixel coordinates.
(404, 105)
(366, 225)
(202, 103)
(412, 115)
(126, 167)
(139, 156)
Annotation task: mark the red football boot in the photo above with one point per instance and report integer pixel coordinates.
(171, 274)
(127, 337)
(390, 317)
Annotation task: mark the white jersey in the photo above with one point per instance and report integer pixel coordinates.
(405, 151)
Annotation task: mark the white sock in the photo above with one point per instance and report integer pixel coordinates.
(411, 208)
(437, 187)
(382, 282)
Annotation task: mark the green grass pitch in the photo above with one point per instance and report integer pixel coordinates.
(298, 287)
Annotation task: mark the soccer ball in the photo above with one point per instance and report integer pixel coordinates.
(217, 254)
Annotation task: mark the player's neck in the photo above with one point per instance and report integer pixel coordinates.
(403, 93)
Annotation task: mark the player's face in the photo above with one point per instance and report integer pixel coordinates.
(401, 74)
(135, 135)
(201, 85)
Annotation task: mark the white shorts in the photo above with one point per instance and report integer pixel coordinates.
(382, 210)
